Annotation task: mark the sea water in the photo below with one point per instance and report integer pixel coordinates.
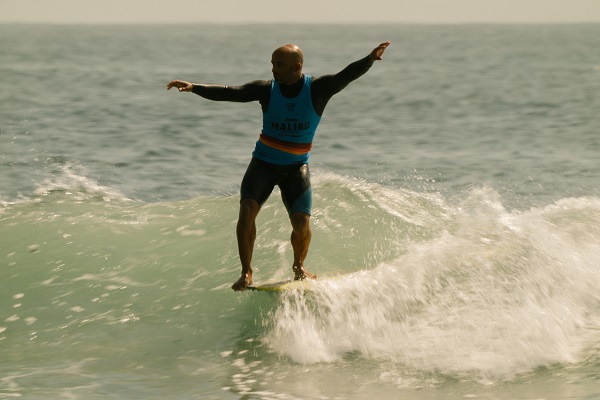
(456, 211)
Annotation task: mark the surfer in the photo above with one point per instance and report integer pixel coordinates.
(292, 105)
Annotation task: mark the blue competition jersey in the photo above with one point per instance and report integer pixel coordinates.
(289, 126)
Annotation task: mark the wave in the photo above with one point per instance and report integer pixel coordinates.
(485, 290)
(424, 284)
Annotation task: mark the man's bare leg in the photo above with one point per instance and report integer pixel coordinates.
(301, 235)
(246, 235)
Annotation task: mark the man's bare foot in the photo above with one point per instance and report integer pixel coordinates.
(243, 282)
(301, 274)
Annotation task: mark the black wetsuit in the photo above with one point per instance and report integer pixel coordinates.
(293, 180)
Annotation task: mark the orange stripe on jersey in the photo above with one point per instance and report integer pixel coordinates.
(288, 147)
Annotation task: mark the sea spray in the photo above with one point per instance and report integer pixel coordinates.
(495, 294)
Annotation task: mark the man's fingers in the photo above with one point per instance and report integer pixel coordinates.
(171, 84)
(378, 51)
(181, 85)
(382, 47)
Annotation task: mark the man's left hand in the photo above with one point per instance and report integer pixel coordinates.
(378, 51)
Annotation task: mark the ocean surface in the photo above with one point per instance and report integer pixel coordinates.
(456, 204)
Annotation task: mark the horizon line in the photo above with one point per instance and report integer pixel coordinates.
(361, 23)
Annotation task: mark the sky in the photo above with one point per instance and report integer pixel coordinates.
(305, 11)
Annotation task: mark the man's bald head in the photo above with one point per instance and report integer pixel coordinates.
(292, 51)
(287, 64)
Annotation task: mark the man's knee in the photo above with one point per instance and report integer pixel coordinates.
(249, 208)
(300, 221)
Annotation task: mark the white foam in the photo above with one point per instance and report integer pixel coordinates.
(73, 179)
(501, 293)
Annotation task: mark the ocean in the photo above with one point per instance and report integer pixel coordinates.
(456, 210)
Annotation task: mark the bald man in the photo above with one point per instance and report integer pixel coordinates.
(292, 104)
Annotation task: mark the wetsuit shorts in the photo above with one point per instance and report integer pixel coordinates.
(293, 181)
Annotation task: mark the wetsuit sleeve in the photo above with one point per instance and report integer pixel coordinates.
(252, 91)
(326, 86)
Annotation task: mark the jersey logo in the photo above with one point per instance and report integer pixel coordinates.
(290, 125)
(291, 106)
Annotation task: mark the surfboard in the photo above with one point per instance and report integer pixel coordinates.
(280, 286)
(288, 284)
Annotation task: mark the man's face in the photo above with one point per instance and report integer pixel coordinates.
(285, 70)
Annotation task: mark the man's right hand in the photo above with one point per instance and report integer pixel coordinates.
(183, 86)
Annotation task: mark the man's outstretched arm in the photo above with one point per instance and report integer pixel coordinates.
(249, 92)
(328, 85)
(357, 68)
